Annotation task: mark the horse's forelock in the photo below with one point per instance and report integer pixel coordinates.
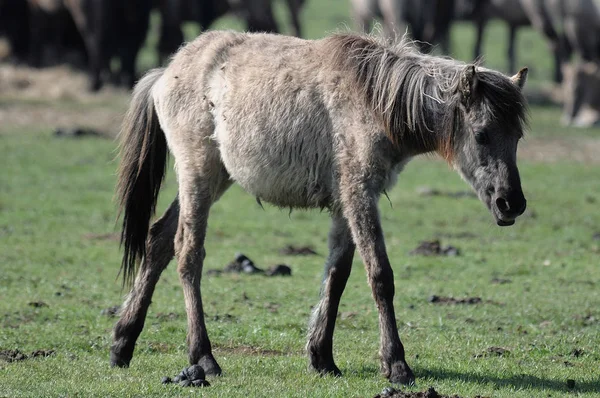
(504, 100)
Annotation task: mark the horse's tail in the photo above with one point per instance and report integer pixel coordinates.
(143, 152)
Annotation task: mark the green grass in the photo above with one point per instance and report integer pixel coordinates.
(57, 246)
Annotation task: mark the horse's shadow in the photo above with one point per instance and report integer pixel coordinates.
(517, 382)
(523, 381)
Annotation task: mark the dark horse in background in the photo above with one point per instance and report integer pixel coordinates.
(111, 29)
(428, 21)
(48, 32)
(41, 33)
(258, 15)
(14, 26)
(53, 35)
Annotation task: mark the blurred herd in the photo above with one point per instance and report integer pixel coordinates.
(570, 27)
(93, 34)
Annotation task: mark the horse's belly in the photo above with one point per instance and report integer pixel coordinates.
(277, 168)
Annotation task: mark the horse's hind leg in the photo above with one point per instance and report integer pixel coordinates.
(337, 271)
(159, 252)
(198, 190)
(360, 209)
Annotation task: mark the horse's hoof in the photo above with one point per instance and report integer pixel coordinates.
(331, 370)
(118, 361)
(210, 366)
(401, 374)
(327, 369)
(121, 353)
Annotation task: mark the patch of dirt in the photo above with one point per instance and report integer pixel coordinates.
(434, 248)
(171, 316)
(55, 97)
(12, 355)
(111, 311)
(224, 318)
(16, 319)
(347, 315)
(272, 307)
(50, 83)
(391, 392)
(17, 355)
(577, 352)
(500, 281)
(587, 320)
(113, 237)
(37, 304)
(428, 191)
(291, 250)
(493, 352)
(249, 350)
(454, 301)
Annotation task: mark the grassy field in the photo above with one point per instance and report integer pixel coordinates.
(538, 281)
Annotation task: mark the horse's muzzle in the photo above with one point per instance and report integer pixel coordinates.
(508, 206)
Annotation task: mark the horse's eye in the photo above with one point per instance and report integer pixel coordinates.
(482, 138)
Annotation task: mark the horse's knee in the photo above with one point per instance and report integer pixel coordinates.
(382, 282)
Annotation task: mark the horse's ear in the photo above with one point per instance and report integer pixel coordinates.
(520, 78)
(468, 84)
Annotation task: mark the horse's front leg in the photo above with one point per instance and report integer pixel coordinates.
(360, 209)
(337, 271)
(189, 247)
(199, 188)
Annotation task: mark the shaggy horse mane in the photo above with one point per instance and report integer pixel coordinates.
(410, 90)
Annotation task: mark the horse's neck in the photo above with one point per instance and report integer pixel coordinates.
(439, 115)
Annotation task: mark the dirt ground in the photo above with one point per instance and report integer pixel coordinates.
(58, 97)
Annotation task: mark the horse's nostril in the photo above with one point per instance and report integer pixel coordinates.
(502, 204)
